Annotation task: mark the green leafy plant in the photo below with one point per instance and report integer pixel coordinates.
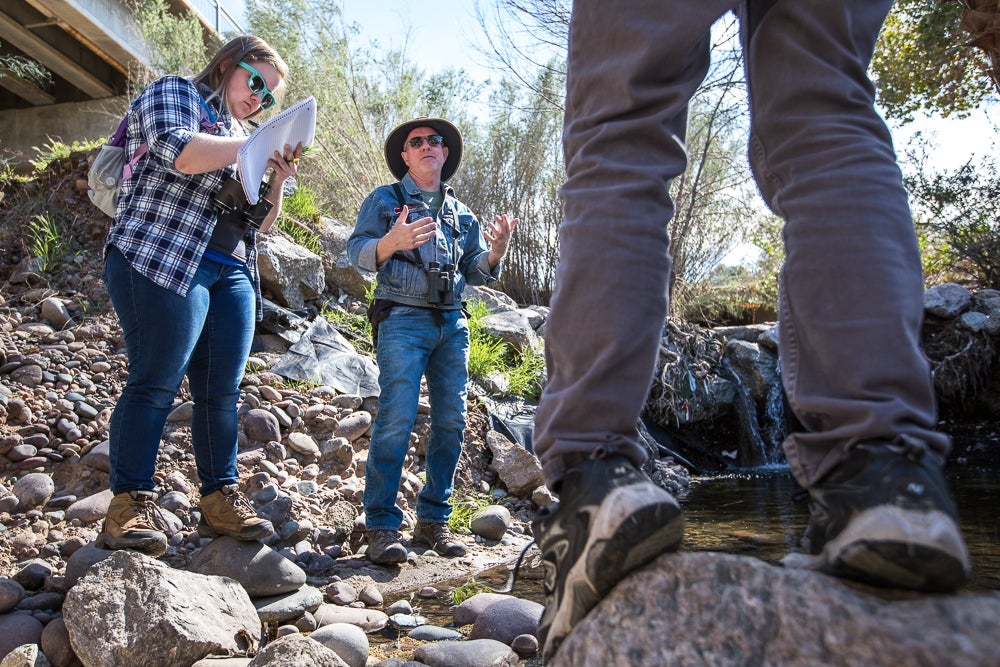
(57, 150)
(467, 590)
(48, 240)
(464, 509)
(299, 213)
(354, 326)
(489, 354)
(301, 205)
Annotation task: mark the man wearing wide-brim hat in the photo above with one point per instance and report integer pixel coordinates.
(424, 246)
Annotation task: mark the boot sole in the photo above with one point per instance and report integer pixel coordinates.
(628, 531)
(894, 547)
(248, 534)
(151, 545)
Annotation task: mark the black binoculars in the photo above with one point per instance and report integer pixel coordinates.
(441, 284)
(230, 200)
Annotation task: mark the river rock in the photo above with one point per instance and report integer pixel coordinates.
(130, 609)
(347, 640)
(261, 570)
(56, 644)
(18, 629)
(491, 522)
(11, 593)
(282, 608)
(715, 609)
(26, 655)
(472, 652)
(506, 619)
(81, 561)
(518, 468)
(470, 609)
(90, 509)
(433, 633)
(369, 620)
(261, 426)
(99, 457)
(296, 651)
(33, 490)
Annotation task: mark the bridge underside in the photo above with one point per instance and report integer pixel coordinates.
(65, 67)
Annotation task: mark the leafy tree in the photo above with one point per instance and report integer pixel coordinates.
(516, 168)
(362, 92)
(956, 216)
(924, 63)
(177, 43)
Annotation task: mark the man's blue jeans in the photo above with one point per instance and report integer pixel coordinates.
(413, 342)
(206, 333)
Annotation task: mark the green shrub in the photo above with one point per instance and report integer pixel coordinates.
(48, 240)
(490, 354)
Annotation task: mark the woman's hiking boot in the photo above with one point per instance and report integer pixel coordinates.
(131, 522)
(228, 512)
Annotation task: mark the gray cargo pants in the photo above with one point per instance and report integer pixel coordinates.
(851, 292)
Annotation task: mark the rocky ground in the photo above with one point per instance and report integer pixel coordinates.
(62, 367)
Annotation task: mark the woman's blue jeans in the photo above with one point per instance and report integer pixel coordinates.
(415, 342)
(208, 334)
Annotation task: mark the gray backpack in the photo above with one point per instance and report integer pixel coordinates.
(110, 167)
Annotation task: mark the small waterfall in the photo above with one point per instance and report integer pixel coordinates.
(760, 443)
(774, 418)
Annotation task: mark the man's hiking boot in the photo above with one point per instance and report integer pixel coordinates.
(228, 512)
(885, 517)
(610, 519)
(384, 547)
(440, 538)
(131, 523)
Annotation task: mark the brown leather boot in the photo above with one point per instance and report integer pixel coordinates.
(440, 538)
(228, 512)
(131, 523)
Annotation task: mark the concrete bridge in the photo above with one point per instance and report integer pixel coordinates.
(90, 49)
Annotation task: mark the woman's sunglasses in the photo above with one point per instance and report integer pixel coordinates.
(257, 86)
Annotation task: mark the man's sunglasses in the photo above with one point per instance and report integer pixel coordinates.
(257, 86)
(432, 140)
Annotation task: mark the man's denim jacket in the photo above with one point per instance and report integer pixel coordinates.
(459, 241)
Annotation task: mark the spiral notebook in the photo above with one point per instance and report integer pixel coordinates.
(294, 124)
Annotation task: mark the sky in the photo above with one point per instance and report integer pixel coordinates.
(438, 34)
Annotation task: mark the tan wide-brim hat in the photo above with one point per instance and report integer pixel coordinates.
(452, 140)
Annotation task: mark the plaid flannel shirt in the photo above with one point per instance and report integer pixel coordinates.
(165, 218)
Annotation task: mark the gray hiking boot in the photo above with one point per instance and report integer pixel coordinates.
(384, 547)
(610, 520)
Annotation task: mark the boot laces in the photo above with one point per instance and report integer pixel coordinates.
(238, 502)
(145, 508)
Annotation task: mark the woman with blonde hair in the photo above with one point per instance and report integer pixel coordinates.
(181, 269)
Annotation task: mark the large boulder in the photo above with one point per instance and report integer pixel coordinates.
(130, 609)
(713, 609)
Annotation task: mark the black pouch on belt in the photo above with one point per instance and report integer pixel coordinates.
(378, 311)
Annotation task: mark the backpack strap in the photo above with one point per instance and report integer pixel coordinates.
(119, 135)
